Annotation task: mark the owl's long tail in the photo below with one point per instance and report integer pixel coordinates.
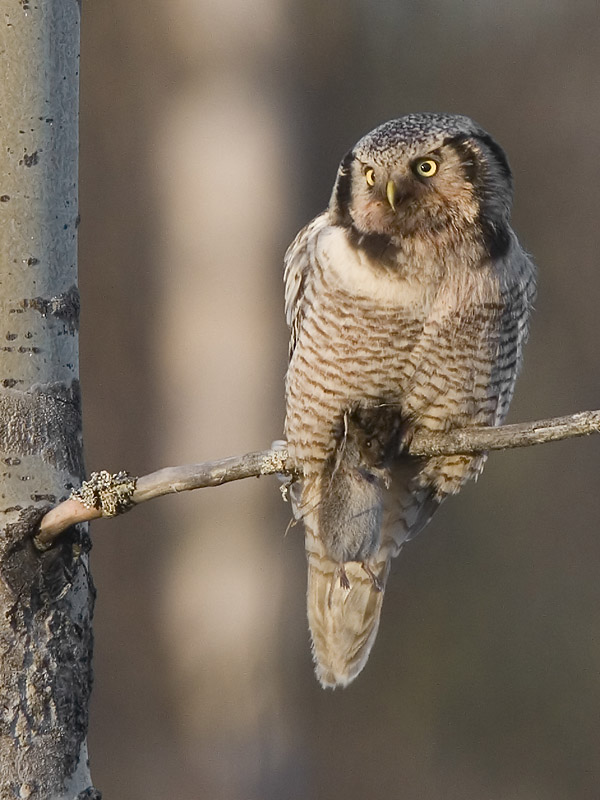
(343, 613)
(344, 600)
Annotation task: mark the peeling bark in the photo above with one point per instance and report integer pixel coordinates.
(46, 599)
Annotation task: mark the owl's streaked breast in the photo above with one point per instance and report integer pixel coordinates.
(422, 340)
(358, 329)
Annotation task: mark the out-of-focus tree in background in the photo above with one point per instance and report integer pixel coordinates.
(211, 132)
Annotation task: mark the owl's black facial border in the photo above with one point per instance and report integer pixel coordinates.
(499, 154)
(470, 156)
(493, 223)
(378, 246)
(343, 191)
(496, 237)
(466, 156)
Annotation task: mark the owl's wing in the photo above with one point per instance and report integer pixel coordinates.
(518, 293)
(465, 364)
(297, 268)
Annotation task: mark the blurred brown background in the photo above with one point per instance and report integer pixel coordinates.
(210, 133)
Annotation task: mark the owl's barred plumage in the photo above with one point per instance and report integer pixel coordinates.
(408, 301)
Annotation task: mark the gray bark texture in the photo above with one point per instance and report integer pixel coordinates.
(46, 599)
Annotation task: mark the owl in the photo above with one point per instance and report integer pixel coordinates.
(408, 301)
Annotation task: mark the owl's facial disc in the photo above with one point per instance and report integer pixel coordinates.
(424, 168)
(384, 199)
(417, 192)
(423, 176)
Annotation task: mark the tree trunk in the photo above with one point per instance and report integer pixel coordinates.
(46, 600)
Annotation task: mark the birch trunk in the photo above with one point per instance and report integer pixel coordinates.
(46, 600)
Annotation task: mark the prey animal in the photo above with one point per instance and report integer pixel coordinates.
(408, 301)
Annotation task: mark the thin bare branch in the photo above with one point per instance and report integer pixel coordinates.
(106, 495)
(95, 499)
(505, 437)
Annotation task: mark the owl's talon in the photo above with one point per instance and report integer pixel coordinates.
(405, 438)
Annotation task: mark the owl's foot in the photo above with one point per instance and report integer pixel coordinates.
(377, 585)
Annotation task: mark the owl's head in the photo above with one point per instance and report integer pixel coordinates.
(424, 174)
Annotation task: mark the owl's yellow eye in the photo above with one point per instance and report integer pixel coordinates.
(370, 177)
(425, 167)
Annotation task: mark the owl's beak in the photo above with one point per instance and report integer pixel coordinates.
(390, 191)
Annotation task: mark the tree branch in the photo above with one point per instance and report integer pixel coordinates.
(106, 495)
